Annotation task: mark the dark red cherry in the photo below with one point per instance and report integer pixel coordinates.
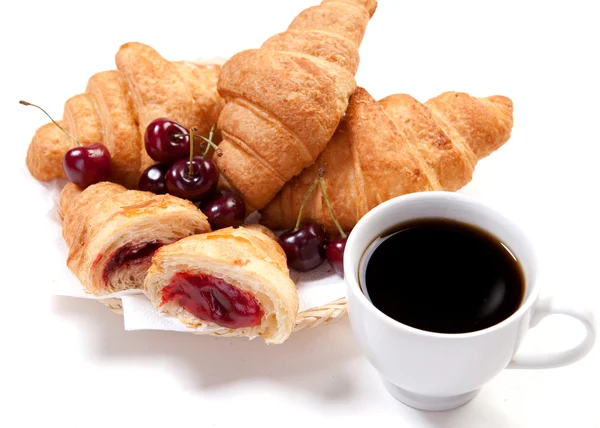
(166, 141)
(154, 179)
(224, 209)
(87, 165)
(304, 246)
(199, 183)
(335, 254)
(83, 165)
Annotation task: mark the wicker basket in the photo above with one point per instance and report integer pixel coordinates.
(308, 319)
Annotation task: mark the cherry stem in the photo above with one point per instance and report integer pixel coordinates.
(25, 103)
(339, 228)
(191, 171)
(313, 185)
(210, 142)
(320, 173)
(207, 140)
(213, 145)
(210, 137)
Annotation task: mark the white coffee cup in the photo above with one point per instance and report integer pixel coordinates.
(436, 371)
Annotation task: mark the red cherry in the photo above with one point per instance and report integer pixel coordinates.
(335, 254)
(154, 179)
(87, 165)
(200, 184)
(224, 209)
(83, 165)
(166, 141)
(304, 246)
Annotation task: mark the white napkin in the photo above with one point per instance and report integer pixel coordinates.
(315, 288)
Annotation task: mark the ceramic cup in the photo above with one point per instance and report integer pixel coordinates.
(436, 371)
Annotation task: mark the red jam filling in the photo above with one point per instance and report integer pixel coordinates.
(129, 254)
(213, 299)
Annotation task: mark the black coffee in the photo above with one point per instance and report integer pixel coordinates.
(442, 276)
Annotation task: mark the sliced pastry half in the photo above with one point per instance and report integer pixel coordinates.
(113, 232)
(236, 279)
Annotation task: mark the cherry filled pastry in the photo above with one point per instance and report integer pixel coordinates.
(231, 278)
(113, 232)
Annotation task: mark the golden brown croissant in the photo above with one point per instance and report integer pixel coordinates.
(395, 146)
(112, 232)
(118, 105)
(236, 279)
(285, 100)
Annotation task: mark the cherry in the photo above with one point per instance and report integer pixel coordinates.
(201, 183)
(304, 246)
(335, 249)
(224, 209)
(335, 254)
(194, 178)
(83, 165)
(87, 165)
(154, 179)
(166, 141)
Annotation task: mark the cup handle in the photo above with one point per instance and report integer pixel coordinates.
(550, 306)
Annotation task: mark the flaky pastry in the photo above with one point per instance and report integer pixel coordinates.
(232, 278)
(112, 232)
(285, 100)
(392, 147)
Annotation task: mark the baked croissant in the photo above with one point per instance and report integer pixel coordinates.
(232, 278)
(285, 100)
(118, 105)
(112, 232)
(395, 146)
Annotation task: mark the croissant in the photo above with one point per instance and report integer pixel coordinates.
(118, 105)
(395, 146)
(112, 232)
(285, 100)
(235, 279)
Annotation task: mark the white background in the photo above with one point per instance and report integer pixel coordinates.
(69, 361)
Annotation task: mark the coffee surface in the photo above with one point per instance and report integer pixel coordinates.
(442, 276)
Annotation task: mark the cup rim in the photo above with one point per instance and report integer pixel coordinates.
(354, 288)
